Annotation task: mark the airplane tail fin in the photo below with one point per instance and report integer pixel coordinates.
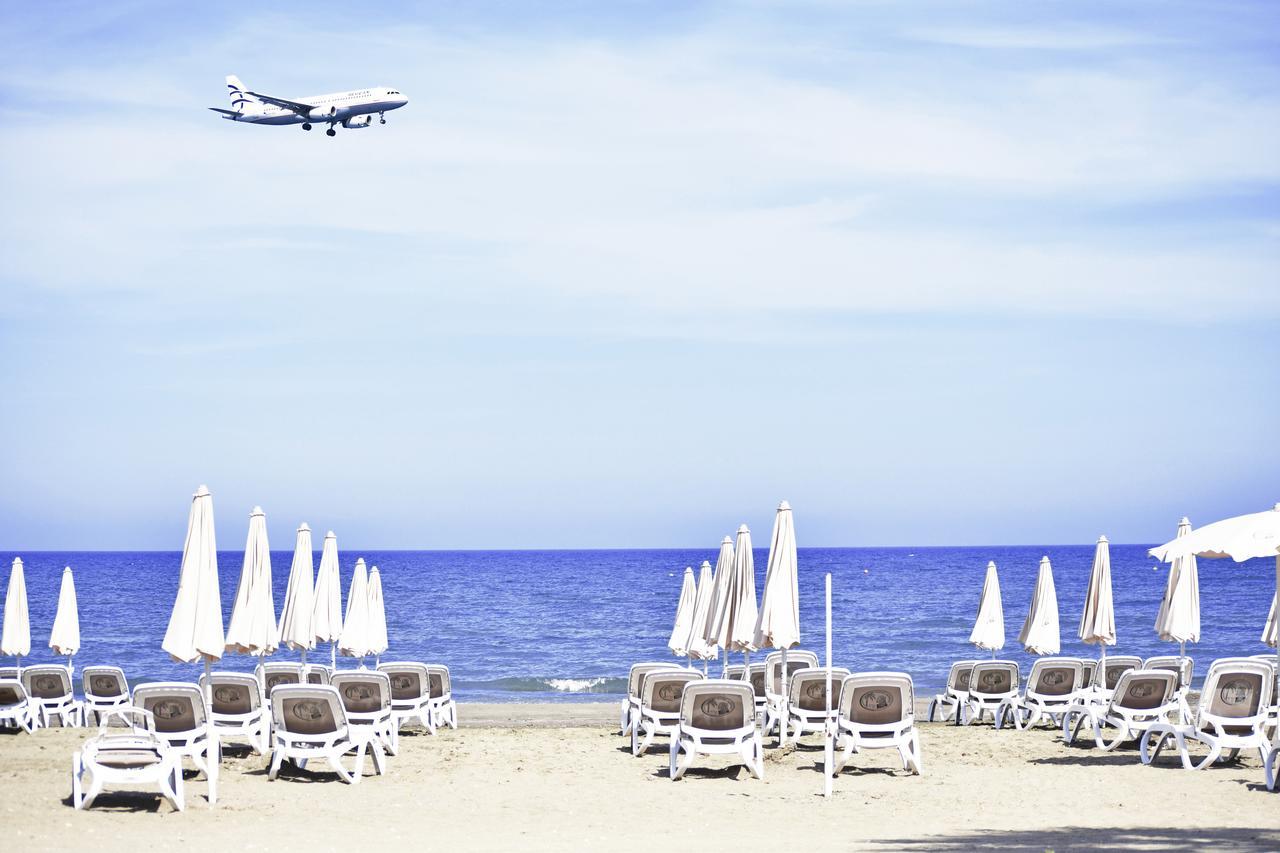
(241, 100)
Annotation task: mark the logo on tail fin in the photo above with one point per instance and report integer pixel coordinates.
(240, 99)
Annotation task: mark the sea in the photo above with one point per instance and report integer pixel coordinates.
(564, 626)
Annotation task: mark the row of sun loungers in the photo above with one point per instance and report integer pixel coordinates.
(701, 716)
(300, 715)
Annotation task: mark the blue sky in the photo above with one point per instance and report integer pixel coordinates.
(936, 273)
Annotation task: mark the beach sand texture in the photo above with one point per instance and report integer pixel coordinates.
(558, 777)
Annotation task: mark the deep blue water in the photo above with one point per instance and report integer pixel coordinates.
(508, 623)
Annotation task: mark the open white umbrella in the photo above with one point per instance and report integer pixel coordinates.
(252, 629)
(1098, 621)
(1244, 537)
(15, 638)
(719, 600)
(1040, 633)
(737, 627)
(195, 626)
(296, 630)
(326, 613)
(696, 644)
(778, 622)
(354, 641)
(377, 617)
(64, 639)
(679, 640)
(1179, 618)
(988, 627)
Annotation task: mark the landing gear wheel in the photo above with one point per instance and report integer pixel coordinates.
(331, 132)
(306, 126)
(382, 119)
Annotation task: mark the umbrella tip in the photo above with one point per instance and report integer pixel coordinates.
(1102, 540)
(303, 526)
(331, 535)
(742, 528)
(257, 510)
(1276, 508)
(17, 562)
(1185, 521)
(784, 506)
(991, 564)
(706, 564)
(203, 491)
(728, 540)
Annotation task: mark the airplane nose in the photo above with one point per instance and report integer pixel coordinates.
(403, 100)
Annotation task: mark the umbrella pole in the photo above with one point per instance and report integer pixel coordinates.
(830, 739)
(214, 756)
(19, 659)
(786, 701)
(333, 656)
(304, 666)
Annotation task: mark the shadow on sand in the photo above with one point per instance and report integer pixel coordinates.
(1080, 838)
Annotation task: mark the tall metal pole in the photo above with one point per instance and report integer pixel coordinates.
(830, 745)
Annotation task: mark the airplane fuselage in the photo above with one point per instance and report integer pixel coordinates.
(336, 107)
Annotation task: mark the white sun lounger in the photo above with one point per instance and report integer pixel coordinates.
(877, 711)
(410, 694)
(991, 683)
(775, 690)
(659, 713)
(366, 697)
(126, 759)
(1141, 699)
(179, 716)
(1185, 668)
(51, 694)
(1105, 678)
(239, 709)
(309, 722)
(15, 706)
(631, 702)
(275, 673)
(955, 696)
(1232, 715)
(444, 711)
(105, 689)
(807, 703)
(754, 676)
(1054, 685)
(717, 717)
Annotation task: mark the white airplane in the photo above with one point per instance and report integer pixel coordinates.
(352, 110)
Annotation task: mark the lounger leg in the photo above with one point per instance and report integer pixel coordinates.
(848, 746)
(95, 788)
(179, 798)
(77, 793)
(917, 758)
(1269, 768)
(674, 754)
(277, 757)
(759, 745)
(335, 761)
(453, 715)
(648, 739)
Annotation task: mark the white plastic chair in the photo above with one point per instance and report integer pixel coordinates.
(717, 717)
(51, 694)
(1232, 715)
(1141, 699)
(179, 713)
(410, 693)
(877, 711)
(807, 701)
(1054, 685)
(776, 689)
(955, 696)
(1105, 678)
(1185, 668)
(631, 702)
(138, 757)
(309, 722)
(444, 711)
(239, 709)
(105, 689)
(366, 697)
(991, 683)
(659, 714)
(15, 706)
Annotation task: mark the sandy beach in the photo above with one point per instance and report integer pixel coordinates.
(557, 777)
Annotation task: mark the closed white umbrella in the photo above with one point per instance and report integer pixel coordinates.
(988, 627)
(720, 600)
(354, 641)
(737, 627)
(326, 613)
(1098, 621)
(1040, 633)
(679, 641)
(778, 622)
(1179, 618)
(1244, 537)
(15, 638)
(696, 644)
(65, 636)
(195, 625)
(296, 630)
(252, 629)
(377, 616)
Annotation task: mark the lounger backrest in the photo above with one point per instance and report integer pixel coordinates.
(1055, 676)
(809, 688)
(717, 705)
(409, 680)
(1088, 667)
(1236, 688)
(276, 674)
(234, 693)
(438, 677)
(104, 682)
(318, 674)
(958, 677)
(993, 677)
(755, 676)
(9, 672)
(1145, 689)
(663, 688)
(639, 670)
(176, 706)
(308, 709)
(12, 692)
(877, 698)
(363, 691)
(797, 659)
(1184, 667)
(1108, 676)
(47, 681)
(735, 672)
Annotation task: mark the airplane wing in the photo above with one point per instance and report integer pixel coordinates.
(300, 109)
(227, 113)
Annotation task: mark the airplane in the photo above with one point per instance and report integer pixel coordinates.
(353, 110)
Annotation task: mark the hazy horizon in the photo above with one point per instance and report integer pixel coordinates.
(938, 274)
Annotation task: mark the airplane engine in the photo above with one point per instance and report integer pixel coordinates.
(358, 121)
(322, 113)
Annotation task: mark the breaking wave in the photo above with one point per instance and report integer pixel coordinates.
(600, 684)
